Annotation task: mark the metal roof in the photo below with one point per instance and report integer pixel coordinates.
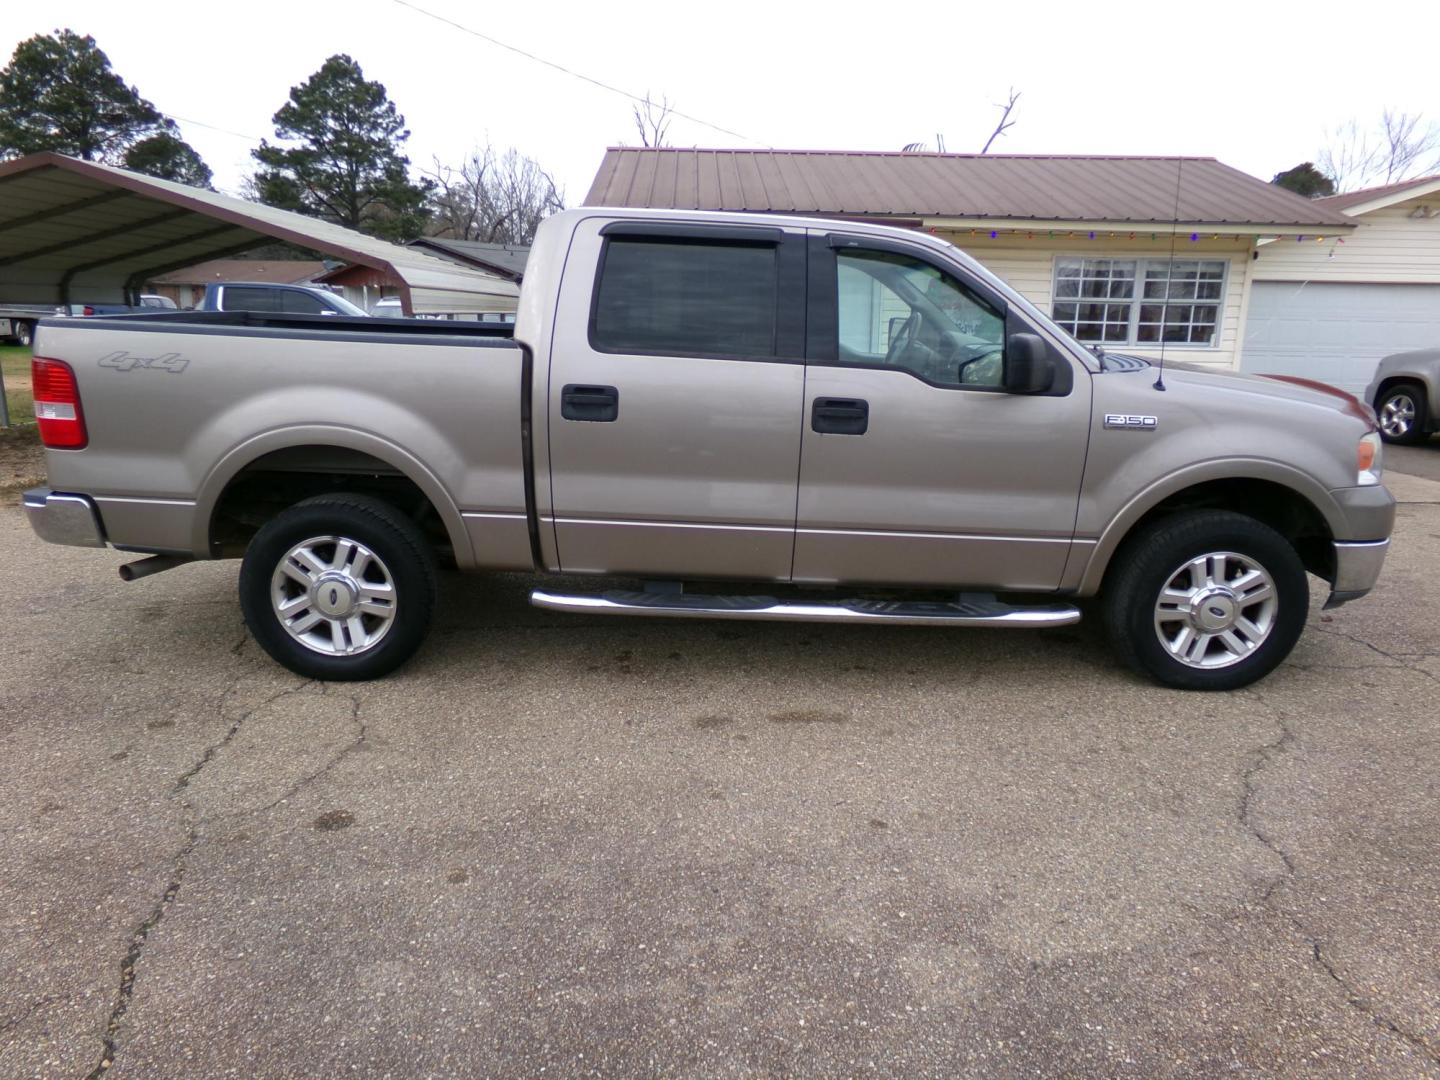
(74, 231)
(505, 259)
(285, 271)
(974, 186)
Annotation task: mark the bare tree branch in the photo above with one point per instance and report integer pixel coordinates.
(1003, 126)
(493, 198)
(1005, 123)
(1399, 147)
(653, 123)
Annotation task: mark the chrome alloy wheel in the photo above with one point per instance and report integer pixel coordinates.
(333, 595)
(1216, 609)
(1397, 415)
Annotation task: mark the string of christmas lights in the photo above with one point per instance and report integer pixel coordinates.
(1092, 234)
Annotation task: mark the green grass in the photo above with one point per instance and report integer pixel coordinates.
(15, 366)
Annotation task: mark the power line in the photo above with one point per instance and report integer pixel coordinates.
(212, 127)
(636, 98)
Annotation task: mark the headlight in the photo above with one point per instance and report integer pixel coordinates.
(1370, 459)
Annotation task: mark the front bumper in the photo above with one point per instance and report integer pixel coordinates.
(63, 519)
(1357, 567)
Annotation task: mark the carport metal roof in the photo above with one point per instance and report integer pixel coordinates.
(76, 231)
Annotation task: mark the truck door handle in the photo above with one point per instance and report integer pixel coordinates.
(840, 416)
(597, 404)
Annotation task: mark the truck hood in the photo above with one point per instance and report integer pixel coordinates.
(1285, 387)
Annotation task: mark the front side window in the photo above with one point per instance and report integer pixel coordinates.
(300, 303)
(686, 297)
(897, 311)
(1140, 301)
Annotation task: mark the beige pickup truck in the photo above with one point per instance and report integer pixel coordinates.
(749, 418)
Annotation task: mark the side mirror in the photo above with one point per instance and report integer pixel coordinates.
(1028, 366)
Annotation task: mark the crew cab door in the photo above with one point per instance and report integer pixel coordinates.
(676, 383)
(917, 468)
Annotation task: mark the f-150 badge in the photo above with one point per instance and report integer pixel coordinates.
(1131, 423)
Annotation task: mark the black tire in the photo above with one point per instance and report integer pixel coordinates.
(24, 334)
(393, 541)
(1406, 398)
(1149, 562)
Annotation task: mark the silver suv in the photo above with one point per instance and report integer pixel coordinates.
(1404, 395)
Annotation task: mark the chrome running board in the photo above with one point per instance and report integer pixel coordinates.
(964, 612)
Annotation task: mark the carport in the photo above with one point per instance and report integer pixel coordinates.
(79, 232)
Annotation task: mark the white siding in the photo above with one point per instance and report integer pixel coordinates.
(1387, 246)
(1028, 266)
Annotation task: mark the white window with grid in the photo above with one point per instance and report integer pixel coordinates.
(1140, 301)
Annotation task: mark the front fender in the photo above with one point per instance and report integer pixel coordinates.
(1092, 571)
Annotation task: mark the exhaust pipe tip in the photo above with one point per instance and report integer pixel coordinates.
(153, 565)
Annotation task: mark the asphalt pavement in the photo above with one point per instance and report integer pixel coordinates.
(1422, 460)
(570, 846)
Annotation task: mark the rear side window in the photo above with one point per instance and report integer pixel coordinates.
(248, 298)
(686, 298)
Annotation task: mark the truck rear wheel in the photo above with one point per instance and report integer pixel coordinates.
(339, 587)
(24, 333)
(1205, 600)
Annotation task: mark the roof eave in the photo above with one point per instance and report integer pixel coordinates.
(1243, 228)
(1394, 198)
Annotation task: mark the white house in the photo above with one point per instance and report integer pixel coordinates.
(1330, 309)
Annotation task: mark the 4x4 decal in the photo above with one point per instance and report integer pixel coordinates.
(124, 361)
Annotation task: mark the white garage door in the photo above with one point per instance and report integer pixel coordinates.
(1336, 333)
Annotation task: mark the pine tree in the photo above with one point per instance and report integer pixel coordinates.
(60, 93)
(170, 158)
(1305, 179)
(347, 166)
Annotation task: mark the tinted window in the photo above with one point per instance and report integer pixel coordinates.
(249, 298)
(687, 298)
(299, 303)
(898, 311)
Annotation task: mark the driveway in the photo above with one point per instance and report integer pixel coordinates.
(586, 847)
(1422, 460)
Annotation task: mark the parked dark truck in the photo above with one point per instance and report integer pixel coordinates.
(814, 420)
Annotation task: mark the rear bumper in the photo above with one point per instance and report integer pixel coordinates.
(58, 518)
(1357, 567)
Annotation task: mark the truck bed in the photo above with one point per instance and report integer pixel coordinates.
(188, 412)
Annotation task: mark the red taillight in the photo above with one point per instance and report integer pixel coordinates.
(57, 405)
(87, 310)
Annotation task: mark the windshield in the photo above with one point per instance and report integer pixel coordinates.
(346, 307)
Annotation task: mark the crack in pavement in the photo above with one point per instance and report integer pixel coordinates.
(31, 1009)
(362, 730)
(1261, 758)
(178, 864)
(1398, 659)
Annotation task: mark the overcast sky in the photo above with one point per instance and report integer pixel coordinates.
(1255, 84)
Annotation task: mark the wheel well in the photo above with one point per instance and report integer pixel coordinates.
(1283, 509)
(282, 478)
(1395, 380)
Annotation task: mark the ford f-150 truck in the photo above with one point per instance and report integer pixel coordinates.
(757, 418)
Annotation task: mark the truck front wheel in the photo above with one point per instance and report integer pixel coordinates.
(1400, 411)
(1205, 600)
(339, 587)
